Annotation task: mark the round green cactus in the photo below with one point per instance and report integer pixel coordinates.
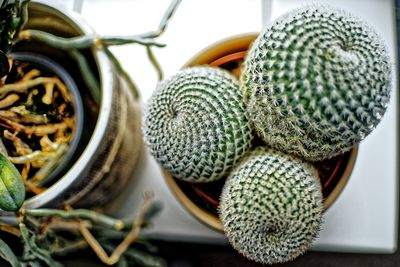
(316, 82)
(271, 206)
(196, 125)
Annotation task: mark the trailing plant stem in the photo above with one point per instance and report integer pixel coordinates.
(90, 215)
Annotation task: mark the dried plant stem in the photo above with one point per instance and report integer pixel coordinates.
(36, 155)
(89, 78)
(20, 146)
(24, 118)
(122, 72)
(22, 86)
(69, 248)
(49, 165)
(164, 21)
(122, 40)
(30, 75)
(70, 226)
(84, 41)
(48, 96)
(40, 130)
(8, 100)
(25, 171)
(128, 240)
(63, 90)
(34, 188)
(155, 63)
(40, 253)
(10, 229)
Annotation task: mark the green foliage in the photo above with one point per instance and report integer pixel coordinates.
(7, 254)
(12, 18)
(12, 190)
(196, 124)
(271, 206)
(317, 81)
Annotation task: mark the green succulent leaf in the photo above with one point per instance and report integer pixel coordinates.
(7, 254)
(12, 190)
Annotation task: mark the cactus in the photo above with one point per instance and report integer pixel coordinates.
(271, 206)
(196, 124)
(316, 82)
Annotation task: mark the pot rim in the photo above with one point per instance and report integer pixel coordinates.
(200, 214)
(232, 44)
(79, 24)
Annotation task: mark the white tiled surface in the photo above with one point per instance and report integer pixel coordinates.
(364, 218)
(69, 4)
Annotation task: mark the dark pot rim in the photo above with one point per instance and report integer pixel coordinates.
(51, 66)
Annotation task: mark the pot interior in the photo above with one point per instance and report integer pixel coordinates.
(45, 18)
(50, 68)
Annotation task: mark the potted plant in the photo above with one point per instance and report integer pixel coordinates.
(69, 143)
(97, 158)
(106, 101)
(314, 84)
(202, 200)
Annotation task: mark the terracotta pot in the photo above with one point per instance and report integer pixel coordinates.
(202, 200)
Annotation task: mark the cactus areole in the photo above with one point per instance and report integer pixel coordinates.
(316, 81)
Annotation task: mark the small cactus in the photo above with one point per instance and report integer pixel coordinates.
(316, 82)
(271, 206)
(196, 125)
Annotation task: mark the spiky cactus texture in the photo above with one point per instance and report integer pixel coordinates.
(316, 82)
(271, 206)
(196, 125)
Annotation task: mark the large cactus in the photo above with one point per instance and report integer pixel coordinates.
(317, 81)
(271, 206)
(196, 124)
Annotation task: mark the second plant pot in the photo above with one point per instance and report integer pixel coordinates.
(202, 200)
(108, 143)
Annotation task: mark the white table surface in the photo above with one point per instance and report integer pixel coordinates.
(363, 218)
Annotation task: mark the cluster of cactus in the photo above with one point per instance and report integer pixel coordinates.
(196, 125)
(315, 83)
